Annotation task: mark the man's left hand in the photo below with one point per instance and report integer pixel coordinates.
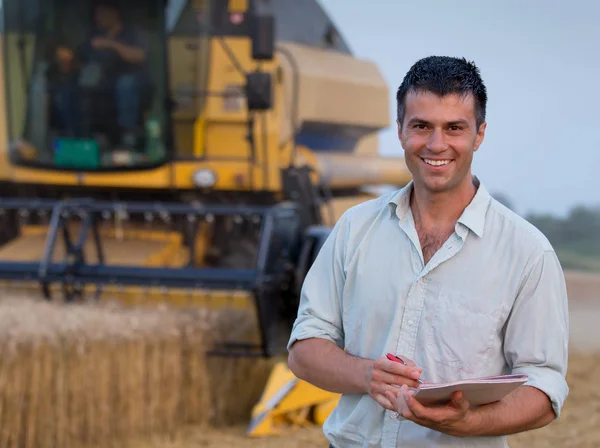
(455, 418)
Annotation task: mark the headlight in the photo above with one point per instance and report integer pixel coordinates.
(204, 178)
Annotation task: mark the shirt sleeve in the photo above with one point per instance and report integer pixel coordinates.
(537, 333)
(320, 308)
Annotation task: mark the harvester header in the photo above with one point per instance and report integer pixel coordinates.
(74, 254)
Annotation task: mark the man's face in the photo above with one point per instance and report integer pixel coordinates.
(439, 136)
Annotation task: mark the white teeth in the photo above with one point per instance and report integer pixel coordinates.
(436, 162)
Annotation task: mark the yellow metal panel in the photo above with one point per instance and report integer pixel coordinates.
(4, 163)
(224, 76)
(156, 178)
(223, 124)
(184, 136)
(29, 175)
(227, 140)
(238, 6)
(286, 401)
(199, 137)
(322, 411)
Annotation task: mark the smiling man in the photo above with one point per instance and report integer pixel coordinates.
(442, 275)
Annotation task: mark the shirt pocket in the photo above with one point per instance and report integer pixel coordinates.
(463, 333)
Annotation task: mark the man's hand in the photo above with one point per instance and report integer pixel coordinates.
(387, 376)
(455, 418)
(325, 365)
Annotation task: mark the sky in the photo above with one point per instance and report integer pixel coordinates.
(540, 62)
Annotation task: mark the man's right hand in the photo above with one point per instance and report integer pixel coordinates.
(385, 375)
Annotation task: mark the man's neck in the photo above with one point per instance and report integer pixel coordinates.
(440, 210)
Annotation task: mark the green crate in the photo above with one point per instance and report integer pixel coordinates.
(76, 153)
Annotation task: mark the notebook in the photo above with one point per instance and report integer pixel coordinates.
(477, 391)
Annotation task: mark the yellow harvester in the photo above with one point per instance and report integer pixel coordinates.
(187, 149)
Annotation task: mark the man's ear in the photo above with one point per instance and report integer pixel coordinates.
(480, 136)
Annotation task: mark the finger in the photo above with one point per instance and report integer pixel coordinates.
(391, 396)
(392, 389)
(459, 401)
(397, 401)
(414, 384)
(419, 411)
(384, 402)
(409, 415)
(391, 393)
(399, 380)
(408, 361)
(396, 368)
(380, 376)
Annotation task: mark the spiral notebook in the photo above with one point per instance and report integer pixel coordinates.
(478, 391)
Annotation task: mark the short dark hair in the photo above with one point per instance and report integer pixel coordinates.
(444, 75)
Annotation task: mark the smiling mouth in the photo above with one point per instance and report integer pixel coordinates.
(436, 162)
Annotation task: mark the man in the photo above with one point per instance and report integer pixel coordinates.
(442, 275)
(113, 65)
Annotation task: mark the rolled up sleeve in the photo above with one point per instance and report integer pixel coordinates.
(537, 333)
(320, 308)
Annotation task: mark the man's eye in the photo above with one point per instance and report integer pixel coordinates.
(455, 128)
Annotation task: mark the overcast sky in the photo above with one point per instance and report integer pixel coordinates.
(540, 61)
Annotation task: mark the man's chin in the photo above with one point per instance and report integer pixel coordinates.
(438, 188)
(436, 185)
(441, 185)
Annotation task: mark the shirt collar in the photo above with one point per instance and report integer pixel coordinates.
(473, 217)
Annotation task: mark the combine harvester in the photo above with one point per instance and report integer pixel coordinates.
(256, 129)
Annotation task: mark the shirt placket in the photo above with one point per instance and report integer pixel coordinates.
(407, 339)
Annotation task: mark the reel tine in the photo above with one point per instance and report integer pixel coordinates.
(148, 219)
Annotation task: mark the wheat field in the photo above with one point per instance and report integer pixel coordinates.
(100, 375)
(103, 375)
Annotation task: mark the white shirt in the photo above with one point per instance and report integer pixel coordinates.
(492, 300)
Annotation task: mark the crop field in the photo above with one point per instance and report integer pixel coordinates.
(91, 376)
(579, 426)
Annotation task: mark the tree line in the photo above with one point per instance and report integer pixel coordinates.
(575, 237)
(582, 224)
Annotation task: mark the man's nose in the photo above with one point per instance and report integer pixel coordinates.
(437, 141)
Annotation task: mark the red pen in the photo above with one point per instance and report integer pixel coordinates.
(397, 359)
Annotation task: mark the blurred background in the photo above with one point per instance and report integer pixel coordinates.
(170, 169)
(541, 142)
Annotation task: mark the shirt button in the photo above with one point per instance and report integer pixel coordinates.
(394, 415)
(411, 323)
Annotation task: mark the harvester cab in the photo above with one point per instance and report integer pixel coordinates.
(91, 89)
(189, 151)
